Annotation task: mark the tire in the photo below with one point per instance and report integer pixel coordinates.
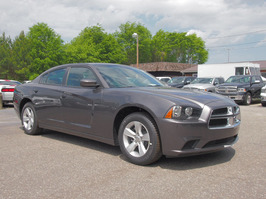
(263, 104)
(29, 120)
(247, 100)
(139, 139)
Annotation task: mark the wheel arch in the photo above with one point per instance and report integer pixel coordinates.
(22, 104)
(125, 112)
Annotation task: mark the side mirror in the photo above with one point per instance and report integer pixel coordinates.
(256, 82)
(88, 83)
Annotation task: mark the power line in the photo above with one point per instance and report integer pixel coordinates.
(226, 46)
(238, 34)
(242, 48)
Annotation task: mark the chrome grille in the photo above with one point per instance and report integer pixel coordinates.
(226, 117)
(227, 89)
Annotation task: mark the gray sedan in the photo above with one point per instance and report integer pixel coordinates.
(121, 105)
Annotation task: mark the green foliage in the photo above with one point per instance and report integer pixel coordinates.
(5, 57)
(46, 49)
(94, 45)
(29, 55)
(21, 58)
(178, 47)
(129, 44)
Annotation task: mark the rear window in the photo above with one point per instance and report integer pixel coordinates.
(53, 78)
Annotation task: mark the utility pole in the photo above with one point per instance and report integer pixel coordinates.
(136, 36)
(228, 54)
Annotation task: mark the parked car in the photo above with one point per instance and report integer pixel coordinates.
(207, 84)
(26, 81)
(125, 106)
(263, 96)
(164, 79)
(180, 81)
(7, 88)
(241, 88)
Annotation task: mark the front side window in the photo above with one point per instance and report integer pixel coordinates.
(216, 81)
(54, 77)
(77, 74)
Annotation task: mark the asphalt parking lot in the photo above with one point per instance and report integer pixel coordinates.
(55, 165)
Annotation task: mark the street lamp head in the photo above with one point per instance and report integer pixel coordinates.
(135, 35)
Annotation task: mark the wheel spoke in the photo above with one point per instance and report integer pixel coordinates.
(28, 112)
(142, 149)
(146, 137)
(138, 128)
(132, 147)
(129, 133)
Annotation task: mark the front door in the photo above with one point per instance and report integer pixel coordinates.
(78, 102)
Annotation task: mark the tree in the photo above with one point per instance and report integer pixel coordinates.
(94, 45)
(159, 46)
(178, 47)
(5, 57)
(125, 39)
(46, 49)
(21, 59)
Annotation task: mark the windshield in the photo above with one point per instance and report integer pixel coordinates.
(121, 77)
(177, 80)
(202, 81)
(238, 79)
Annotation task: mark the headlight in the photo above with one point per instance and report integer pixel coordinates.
(201, 89)
(241, 90)
(182, 113)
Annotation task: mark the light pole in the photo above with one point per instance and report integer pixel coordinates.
(135, 35)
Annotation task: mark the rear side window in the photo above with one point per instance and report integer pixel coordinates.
(53, 78)
(77, 74)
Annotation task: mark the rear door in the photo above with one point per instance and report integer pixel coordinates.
(47, 98)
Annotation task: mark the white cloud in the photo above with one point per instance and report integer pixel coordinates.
(208, 19)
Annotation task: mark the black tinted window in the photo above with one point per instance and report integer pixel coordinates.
(77, 74)
(54, 77)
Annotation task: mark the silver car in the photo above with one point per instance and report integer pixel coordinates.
(204, 84)
(7, 88)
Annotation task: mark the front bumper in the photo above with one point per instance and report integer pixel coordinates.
(186, 139)
(235, 96)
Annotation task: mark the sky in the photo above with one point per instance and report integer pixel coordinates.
(233, 30)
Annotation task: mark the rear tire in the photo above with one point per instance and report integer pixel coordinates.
(139, 139)
(29, 120)
(263, 104)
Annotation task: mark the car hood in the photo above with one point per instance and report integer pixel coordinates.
(178, 85)
(234, 84)
(199, 86)
(177, 95)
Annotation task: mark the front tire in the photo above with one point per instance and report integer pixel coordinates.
(139, 139)
(247, 99)
(29, 120)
